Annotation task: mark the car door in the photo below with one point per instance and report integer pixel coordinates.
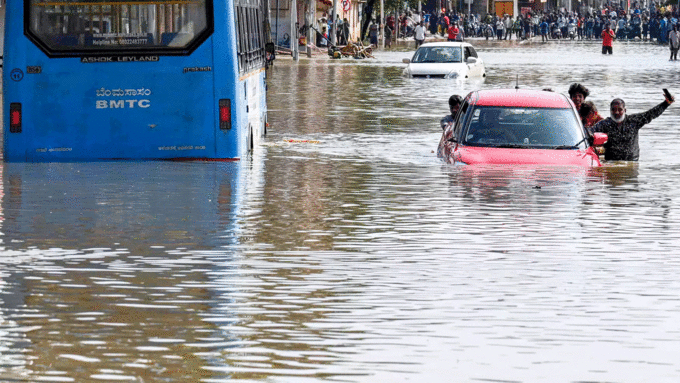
(476, 69)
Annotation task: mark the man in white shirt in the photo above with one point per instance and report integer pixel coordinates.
(674, 43)
(419, 34)
(508, 27)
(500, 29)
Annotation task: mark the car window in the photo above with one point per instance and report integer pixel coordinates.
(524, 127)
(437, 55)
(460, 117)
(470, 52)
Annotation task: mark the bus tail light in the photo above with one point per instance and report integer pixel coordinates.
(15, 117)
(225, 114)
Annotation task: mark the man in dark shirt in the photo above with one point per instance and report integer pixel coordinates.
(623, 130)
(454, 105)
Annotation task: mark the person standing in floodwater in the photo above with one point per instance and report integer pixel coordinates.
(345, 31)
(388, 36)
(454, 104)
(589, 114)
(623, 130)
(544, 30)
(674, 43)
(607, 39)
(527, 26)
(373, 34)
(578, 94)
(419, 34)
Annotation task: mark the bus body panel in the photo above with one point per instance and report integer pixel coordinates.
(76, 109)
(227, 85)
(257, 90)
(116, 110)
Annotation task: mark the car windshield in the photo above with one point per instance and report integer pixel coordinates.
(437, 55)
(531, 128)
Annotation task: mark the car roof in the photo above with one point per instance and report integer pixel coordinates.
(520, 98)
(445, 44)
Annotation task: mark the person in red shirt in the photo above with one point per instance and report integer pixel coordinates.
(453, 31)
(607, 38)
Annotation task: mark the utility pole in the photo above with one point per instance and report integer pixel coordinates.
(311, 13)
(293, 30)
(383, 22)
(334, 25)
(397, 24)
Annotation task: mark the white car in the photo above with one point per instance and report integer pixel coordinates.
(454, 60)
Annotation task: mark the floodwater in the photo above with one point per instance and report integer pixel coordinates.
(345, 251)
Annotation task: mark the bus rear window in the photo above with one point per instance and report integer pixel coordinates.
(101, 26)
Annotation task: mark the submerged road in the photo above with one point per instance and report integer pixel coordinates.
(344, 250)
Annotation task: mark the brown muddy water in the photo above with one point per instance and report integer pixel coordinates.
(345, 251)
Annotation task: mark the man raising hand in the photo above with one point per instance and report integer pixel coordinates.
(623, 130)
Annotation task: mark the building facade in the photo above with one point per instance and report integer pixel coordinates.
(314, 14)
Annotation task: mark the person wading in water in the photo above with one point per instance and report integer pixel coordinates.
(454, 104)
(623, 130)
(607, 38)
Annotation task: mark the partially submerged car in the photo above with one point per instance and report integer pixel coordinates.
(516, 126)
(452, 60)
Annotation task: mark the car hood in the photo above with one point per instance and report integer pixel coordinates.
(502, 156)
(436, 68)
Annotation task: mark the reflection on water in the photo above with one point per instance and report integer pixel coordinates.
(344, 250)
(111, 267)
(94, 205)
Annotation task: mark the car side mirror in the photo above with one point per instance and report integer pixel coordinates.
(471, 60)
(599, 139)
(406, 61)
(452, 139)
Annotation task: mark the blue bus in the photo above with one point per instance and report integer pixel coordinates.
(88, 80)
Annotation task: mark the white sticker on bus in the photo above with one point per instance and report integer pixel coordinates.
(123, 104)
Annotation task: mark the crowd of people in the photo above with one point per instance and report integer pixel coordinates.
(653, 23)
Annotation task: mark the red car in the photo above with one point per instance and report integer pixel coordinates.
(518, 127)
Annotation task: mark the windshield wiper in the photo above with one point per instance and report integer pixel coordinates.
(513, 146)
(575, 146)
(583, 140)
